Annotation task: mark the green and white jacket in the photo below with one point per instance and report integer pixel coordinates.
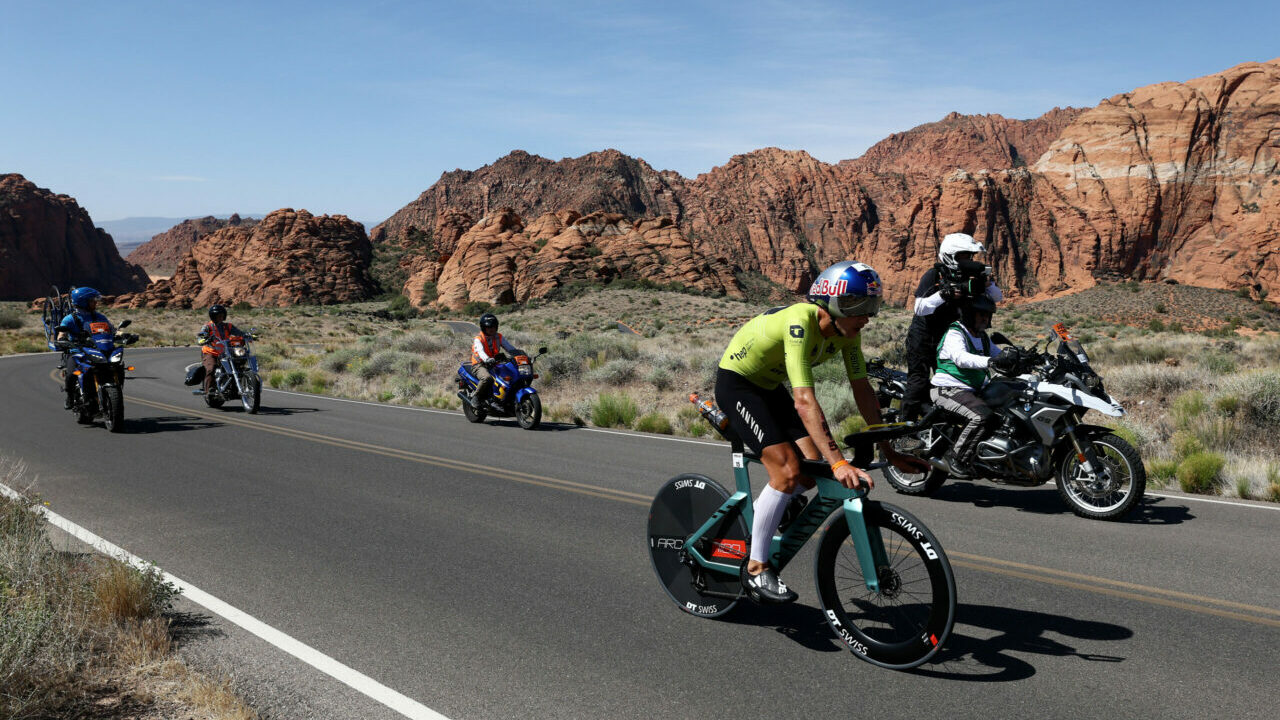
(963, 358)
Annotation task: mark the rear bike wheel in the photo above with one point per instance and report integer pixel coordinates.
(679, 509)
(905, 623)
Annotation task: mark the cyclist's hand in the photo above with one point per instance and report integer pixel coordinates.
(490, 362)
(853, 478)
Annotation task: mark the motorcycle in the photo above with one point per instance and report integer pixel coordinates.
(513, 394)
(97, 362)
(235, 376)
(1041, 436)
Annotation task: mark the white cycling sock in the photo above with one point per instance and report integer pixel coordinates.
(768, 513)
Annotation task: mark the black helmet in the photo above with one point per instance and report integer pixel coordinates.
(980, 304)
(488, 320)
(217, 313)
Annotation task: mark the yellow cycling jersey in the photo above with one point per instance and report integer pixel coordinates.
(784, 344)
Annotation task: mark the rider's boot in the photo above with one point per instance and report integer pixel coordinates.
(483, 391)
(69, 398)
(766, 587)
(958, 465)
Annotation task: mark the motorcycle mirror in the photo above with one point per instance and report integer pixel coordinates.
(999, 338)
(124, 324)
(542, 350)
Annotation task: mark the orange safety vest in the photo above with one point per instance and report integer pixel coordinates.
(211, 329)
(491, 349)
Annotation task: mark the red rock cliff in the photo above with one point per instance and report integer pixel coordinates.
(167, 248)
(48, 239)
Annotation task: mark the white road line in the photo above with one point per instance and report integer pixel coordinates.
(1216, 502)
(358, 681)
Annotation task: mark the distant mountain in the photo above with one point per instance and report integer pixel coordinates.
(131, 232)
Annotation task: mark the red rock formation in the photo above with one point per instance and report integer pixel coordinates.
(48, 239)
(167, 248)
(288, 258)
(1175, 181)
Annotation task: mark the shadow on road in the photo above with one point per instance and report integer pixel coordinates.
(1046, 501)
(172, 423)
(970, 655)
(264, 410)
(802, 623)
(542, 427)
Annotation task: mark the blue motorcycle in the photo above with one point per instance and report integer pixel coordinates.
(97, 362)
(513, 394)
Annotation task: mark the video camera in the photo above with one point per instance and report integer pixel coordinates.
(967, 281)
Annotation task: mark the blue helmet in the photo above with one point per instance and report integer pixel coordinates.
(847, 288)
(80, 297)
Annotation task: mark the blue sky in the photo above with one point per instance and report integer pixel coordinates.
(174, 108)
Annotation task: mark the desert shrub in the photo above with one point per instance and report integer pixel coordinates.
(1226, 404)
(613, 410)
(1150, 381)
(1187, 408)
(318, 382)
(559, 367)
(406, 389)
(1200, 472)
(275, 379)
(852, 424)
(1129, 353)
(659, 377)
(1162, 470)
(294, 378)
(340, 360)
(1262, 399)
(10, 318)
(384, 362)
(613, 372)
(654, 422)
(1216, 363)
(602, 347)
(241, 306)
(307, 361)
(422, 343)
(1184, 444)
(836, 401)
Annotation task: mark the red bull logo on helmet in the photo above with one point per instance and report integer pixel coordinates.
(823, 286)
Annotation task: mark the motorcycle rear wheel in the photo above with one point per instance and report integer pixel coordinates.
(212, 400)
(472, 413)
(926, 483)
(1113, 499)
(529, 412)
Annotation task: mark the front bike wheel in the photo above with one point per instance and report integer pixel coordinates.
(678, 510)
(252, 397)
(905, 623)
(529, 412)
(1110, 492)
(112, 402)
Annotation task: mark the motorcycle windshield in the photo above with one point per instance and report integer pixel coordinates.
(1074, 347)
(104, 342)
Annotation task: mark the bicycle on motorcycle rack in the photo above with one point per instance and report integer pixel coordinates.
(884, 582)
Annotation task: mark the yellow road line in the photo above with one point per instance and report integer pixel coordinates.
(1089, 583)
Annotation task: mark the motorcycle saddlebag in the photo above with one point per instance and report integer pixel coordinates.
(195, 375)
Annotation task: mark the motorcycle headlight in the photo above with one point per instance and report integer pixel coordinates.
(238, 352)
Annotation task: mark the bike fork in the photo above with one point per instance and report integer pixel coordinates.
(868, 545)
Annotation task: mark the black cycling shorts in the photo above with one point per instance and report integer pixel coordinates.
(760, 417)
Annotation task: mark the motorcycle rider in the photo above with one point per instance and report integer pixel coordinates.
(216, 329)
(964, 355)
(74, 327)
(784, 344)
(485, 349)
(943, 289)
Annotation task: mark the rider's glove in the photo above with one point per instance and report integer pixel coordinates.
(949, 292)
(490, 362)
(1007, 362)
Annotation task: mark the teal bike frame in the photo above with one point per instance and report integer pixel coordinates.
(783, 548)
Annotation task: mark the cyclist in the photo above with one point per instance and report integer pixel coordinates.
(943, 289)
(784, 344)
(216, 329)
(85, 319)
(964, 354)
(485, 349)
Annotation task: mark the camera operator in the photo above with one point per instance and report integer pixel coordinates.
(954, 279)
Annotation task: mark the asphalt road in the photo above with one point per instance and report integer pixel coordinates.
(487, 571)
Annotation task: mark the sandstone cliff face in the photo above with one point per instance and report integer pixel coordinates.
(48, 239)
(288, 258)
(167, 248)
(1176, 181)
(501, 260)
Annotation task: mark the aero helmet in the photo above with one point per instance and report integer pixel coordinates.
(488, 320)
(80, 297)
(957, 243)
(847, 288)
(216, 312)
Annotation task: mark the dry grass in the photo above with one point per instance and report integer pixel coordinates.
(87, 636)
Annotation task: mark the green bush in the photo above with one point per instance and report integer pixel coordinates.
(654, 423)
(1162, 471)
(613, 410)
(275, 379)
(476, 308)
(295, 378)
(1200, 472)
(241, 306)
(1187, 407)
(659, 377)
(848, 426)
(318, 382)
(1226, 405)
(1262, 402)
(1184, 445)
(613, 372)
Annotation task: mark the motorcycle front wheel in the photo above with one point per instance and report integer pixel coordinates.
(252, 397)
(1109, 492)
(113, 408)
(529, 412)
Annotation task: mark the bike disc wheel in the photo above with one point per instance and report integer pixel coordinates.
(679, 509)
(905, 623)
(1104, 499)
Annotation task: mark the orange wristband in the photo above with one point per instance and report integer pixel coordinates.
(839, 464)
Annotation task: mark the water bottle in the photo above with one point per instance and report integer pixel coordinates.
(709, 411)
